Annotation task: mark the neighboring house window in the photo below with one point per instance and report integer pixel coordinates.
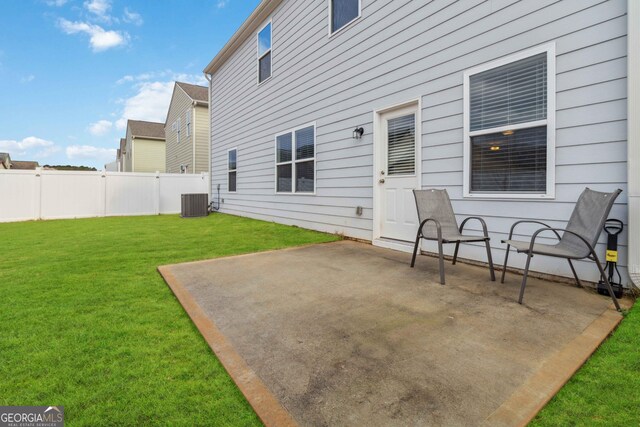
(232, 170)
(178, 129)
(295, 161)
(264, 53)
(342, 13)
(509, 141)
(188, 117)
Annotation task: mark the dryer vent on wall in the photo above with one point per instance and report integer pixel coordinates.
(195, 205)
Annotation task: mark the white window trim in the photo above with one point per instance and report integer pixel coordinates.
(550, 122)
(178, 129)
(259, 57)
(187, 120)
(232, 170)
(294, 161)
(345, 26)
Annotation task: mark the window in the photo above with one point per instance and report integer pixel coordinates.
(232, 170)
(178, 129)
(510, 126)
(295, 161)
(264, 53)
(342, 13)
(188, 121)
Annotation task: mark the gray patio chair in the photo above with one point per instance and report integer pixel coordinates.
(577, 241)
(438, 222)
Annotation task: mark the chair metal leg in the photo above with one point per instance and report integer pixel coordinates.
(415, 250)
(524, 277)
(573, 270)
(605, 279)
(504, 267)
(441, 261)
(490, 260)
(455, 253)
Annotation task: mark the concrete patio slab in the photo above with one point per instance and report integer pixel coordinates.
(347, 334)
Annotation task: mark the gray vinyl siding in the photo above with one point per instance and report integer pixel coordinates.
(178, 153)
(402, 50)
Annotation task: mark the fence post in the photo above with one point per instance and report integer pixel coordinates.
(157, 193)
(37, 195)
(103, 193)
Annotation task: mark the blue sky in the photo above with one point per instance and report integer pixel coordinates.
(73, 71)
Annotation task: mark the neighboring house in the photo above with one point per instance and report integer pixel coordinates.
(326, 114)
(5, 161)
(111, 167)
(120, 155)
(24, 165)
(144, 149)
(187, 129)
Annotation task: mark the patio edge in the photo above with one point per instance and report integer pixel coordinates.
(529, 399)
(263, 402)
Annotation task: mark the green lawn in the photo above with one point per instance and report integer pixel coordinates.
(87, 322)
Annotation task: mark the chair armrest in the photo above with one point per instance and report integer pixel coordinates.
(482, 222)
(438, 227)
(525, 221)
(555, 231)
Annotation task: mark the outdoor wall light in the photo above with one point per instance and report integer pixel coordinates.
(358, 132)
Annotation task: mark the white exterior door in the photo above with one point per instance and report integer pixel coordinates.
(398, 173)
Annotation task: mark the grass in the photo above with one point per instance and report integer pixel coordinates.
(87, 322)
(606, 391)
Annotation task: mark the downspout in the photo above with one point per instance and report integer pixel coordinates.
(210, 112)
(633, 138)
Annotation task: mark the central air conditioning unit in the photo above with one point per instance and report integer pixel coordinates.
(195, 205)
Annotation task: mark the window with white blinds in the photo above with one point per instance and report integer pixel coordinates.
(401, 145)
(507, 127)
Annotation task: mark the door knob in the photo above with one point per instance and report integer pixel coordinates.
(381, 181)
(381, 172)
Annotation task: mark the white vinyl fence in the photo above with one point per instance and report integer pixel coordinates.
(47, 194)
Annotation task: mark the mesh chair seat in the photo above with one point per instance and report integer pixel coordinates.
(542, 249)
(454, 237)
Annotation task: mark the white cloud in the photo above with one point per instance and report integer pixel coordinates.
(99, 38)
(89, 152)
(31, 144)
(100, 8)
(101, 127)
(149, 103)
(27, 79)
(151, 99)
(222, 3)
(132, 17)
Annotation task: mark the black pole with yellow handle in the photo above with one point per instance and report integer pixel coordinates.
(613, 227)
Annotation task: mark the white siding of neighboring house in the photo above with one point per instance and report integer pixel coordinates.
(401, 50)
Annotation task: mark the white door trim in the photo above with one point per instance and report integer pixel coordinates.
(377, 163)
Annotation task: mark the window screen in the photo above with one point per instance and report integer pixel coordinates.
(509, 160)
(232, 167)
(343, 12)
(264, 53)
(295, 161)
